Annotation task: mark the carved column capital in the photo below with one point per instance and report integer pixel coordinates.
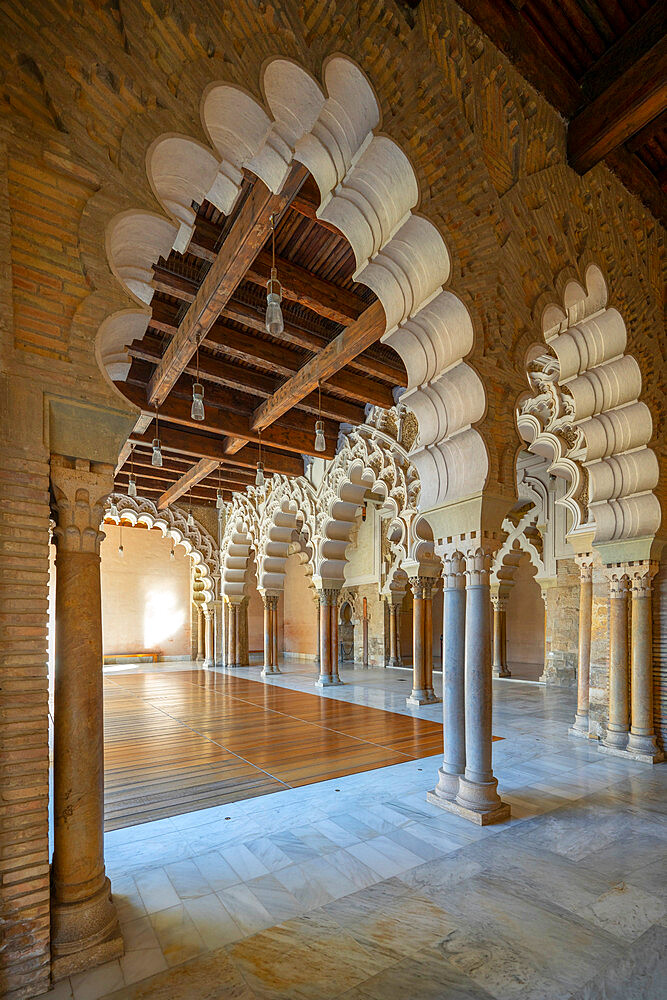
(208, 612)
(454, 571)
(641, 576)
(584, 561)
(617, 578)
(80, 490)
(499, 603)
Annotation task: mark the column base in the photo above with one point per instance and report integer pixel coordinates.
(84, 934)
(615, 740)
(393, 662)
(501, 672)
(479, 802)
(579, 727)
(327, 680)
(446, 790)
(422, 697)
(270, 671)
(479, 816)
(630, 753)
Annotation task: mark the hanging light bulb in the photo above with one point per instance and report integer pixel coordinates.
(197, 408)
(219, 500)
(113, 509)
(172, 554)
(132, 486)
(274, 314)
(156, 457)
(259, 476)
(121, 551)
(320, 440)
(191, 519)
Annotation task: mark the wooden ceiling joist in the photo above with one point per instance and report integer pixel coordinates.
(365, 331)
(299, 285)
(245, 239)
(176, 439)
(203, 468)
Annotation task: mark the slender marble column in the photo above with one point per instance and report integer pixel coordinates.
(325, 640)
(393, 635)
(335, 675)
(453, 681)
(364, 641)
(209, 640)
(268, 638)
(274, 636)
(229, 640)
(233, 635)
(317, 655)
(84, 925)
(428, 642)
(201, 636)
(500, 668)
(616, 737)
(477, 797)
(418, 695)
(642, 744)
(585, 563)
(237, 635)
(243, 654)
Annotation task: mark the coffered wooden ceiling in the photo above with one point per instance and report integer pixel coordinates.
(258, 388)
(603, 65)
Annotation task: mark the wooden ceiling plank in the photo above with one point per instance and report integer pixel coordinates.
(203, 468)
(244, 241)
(628, 105)
(187, 443)
(365, 331)
(299, 285)
(629, 48)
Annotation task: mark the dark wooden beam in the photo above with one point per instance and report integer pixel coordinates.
(178, 466)
(630, 47)
(299, 285)
(244, 241)
(176, 410)
(154, 490)
(140, 426)
(203, 468)
(176, 439)
(525, 48)
(639, 179)
(632, 101)
(365, 331)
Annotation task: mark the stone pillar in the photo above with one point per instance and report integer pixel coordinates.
(580, 724)
(209, 638)
(270, 635)
(84, 926)
(453, 681)
(201, 633)
(642, 743)
(225, 633)
(218, 631)
(328, 638)
(500, 668)
(393, 634)
(364, 641)
(237, 635)
(317, 603)
(335, 648)
(616, 736)
(243, 652)
(422, 643)
(477, 797)
(232, 660)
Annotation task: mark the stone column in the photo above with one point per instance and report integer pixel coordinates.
(616, 736)
(317, 605)
(585, 563)
(209, 639)
(84, 926)
(500, 668)
(270, 635)
(453, 681)
(422, 643)
(364, 641)
(274, 635)
(393, 634)
(325, 639)
(218, 630)
(642, 743)
(225, 632)
(477, 797)
(335, 675)
(201, 633)
(428, 641)
(233, 631)
(243, 652)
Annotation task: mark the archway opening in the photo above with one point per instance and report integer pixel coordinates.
(525, 622)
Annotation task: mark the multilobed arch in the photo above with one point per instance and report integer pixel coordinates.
(369, 191)
(584, 414)
(195, 539)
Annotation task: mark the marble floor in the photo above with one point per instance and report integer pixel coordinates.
(358, 888)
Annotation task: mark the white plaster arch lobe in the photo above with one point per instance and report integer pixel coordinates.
(239, 542)
(369, 190)
(173, 522)
(586, 415)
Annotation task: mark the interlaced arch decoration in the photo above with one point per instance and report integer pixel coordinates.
(324, 517)
(523, 536)
(195, 539)
(585, 416)
(369, 191)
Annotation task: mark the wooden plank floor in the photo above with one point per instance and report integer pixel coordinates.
(177, 741)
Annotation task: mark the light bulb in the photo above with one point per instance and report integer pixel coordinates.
(156, 457)
(191, 519)
(113, 510)
(320, 440)
(121, 551)
(132, 486)
(219, 500)
(259, 478)
(274, 314)
(172, 554)
(197, 408)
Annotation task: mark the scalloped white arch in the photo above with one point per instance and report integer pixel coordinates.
(195, 539)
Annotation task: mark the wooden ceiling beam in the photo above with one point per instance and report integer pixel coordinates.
(298, 285)
(153, 490)
(203, 468)
(245, 239)
(630, 47)
(304, 206)
(140, 426)
(365, 331)
(219, 372)
(176, 410)
(178, 467)
(202, 445)
(632, 101)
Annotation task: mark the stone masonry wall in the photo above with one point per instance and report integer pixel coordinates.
(562, 626)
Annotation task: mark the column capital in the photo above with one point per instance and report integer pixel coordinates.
(617, 578)
(208, 612)
(329, 596)
(584, 561)
(499, 602)
(454, 571)
(80, 490)
(270, 601)
(640, 577)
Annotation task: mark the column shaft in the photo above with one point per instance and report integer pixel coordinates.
(393, 635)
(268, 638)
(325, 640)
(500, 637)
(274, 636)
(453, 684)
(201, 639)
(418, 695)
(335, 675)
(619, 710)
(428, 643)
(642, 743)
(580, 725)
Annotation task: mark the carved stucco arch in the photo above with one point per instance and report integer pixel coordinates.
(523, 538)
(369, 191)
(585, 416)
(172, 522)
